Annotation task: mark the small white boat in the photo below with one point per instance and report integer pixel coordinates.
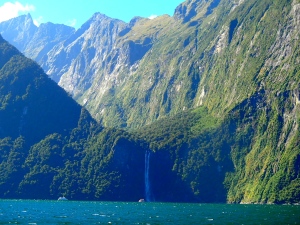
(62, 199)
(142, 200)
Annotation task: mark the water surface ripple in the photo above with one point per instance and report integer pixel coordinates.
(80, 212)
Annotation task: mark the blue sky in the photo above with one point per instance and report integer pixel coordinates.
(76, 12)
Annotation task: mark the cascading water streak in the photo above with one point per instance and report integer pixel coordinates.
(147, 178)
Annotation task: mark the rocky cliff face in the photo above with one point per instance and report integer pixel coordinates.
(46, 36)
(18, 31)
(78, 60)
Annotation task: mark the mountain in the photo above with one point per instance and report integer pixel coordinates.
(18, 31)
(215, 59)
(210, 97)
(131, 74)
(35, 42)
(50, 145)
(80, 57)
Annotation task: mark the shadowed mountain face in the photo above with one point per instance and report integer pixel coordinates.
(217, 85)
(29, 99)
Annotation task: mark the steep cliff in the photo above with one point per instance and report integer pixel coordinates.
(79, 59)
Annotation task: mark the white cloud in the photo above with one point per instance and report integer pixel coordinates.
(72, 22)
(10, 10)
(38, 21)
(152, 17)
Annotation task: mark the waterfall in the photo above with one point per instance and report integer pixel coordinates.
(147, 178)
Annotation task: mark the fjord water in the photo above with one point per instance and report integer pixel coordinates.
(79, 212)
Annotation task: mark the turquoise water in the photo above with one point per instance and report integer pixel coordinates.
(76, 212)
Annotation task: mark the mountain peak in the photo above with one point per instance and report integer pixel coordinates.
(98, 15)
(97, 18)
(28, 17)
(25, 20)
(101, 16)
(18, 30)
